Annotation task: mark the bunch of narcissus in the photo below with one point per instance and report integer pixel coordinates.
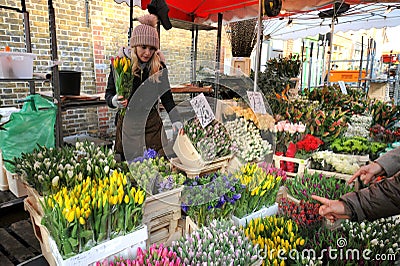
(276, 237)
(91, 212)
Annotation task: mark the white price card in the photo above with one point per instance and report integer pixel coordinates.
(256, 102)
(202, 109)
(342, 86)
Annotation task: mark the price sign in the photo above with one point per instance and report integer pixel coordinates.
(202, 109)
(342, 86)
(256, 102)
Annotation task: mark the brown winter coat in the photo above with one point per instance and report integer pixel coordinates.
(154, 130)
(381, 199)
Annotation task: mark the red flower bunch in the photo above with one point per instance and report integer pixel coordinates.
(305, 214)
(309, 143)
(381, 134)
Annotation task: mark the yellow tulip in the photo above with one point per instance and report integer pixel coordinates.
(126, 68)
(82, 221)
(70, 216)
(126, 199)
(78, 212)
(141, 199)
(302, 242)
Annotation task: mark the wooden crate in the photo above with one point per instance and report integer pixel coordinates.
(190, 225)
(164, 229)
(162, 204)
(161, 214)
(192, 172)
(301, 164)
(41, 232)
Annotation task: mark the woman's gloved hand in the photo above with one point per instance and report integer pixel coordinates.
(176, 126)
(118, 101)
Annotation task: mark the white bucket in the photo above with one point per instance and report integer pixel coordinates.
(16, 65)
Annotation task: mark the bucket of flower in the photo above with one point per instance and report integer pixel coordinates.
(162, 207)
(208, 197)
(94, 220)
(302, 187)
(258, 190)
(198, 148)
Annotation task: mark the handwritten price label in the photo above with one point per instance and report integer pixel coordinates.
(256, 102)
(202, 109)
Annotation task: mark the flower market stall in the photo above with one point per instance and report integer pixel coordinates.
(239, 188)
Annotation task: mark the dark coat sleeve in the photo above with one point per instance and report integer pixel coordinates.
(377, 201)
(111, 90)
(390, 161)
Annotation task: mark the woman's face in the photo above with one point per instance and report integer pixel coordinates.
(144, 52)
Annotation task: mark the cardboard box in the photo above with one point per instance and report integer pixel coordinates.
(241, 64)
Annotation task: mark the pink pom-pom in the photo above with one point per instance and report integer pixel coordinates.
(149, 19)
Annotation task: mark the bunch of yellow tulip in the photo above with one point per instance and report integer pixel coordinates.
(123, 76)
(92, 212)
(278, 237)
(260, 189)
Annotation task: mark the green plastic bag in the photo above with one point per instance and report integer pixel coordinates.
(31, 126)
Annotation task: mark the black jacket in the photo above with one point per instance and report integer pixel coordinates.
(167, 99)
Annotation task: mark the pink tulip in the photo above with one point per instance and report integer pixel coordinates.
(292, 128)
(301, 128)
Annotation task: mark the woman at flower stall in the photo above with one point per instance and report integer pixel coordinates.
(127, 75)
(379, 200)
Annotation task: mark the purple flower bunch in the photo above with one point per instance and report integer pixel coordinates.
(147, 154)
(210, 197)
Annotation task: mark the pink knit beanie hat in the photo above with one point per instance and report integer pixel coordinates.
(146, 33)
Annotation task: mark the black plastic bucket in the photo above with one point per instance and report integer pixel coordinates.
(70, 82)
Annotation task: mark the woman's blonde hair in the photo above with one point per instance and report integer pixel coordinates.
(154, 65)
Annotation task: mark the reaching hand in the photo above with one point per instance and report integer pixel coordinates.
(331, 209)
(119, 102)
(367, 173)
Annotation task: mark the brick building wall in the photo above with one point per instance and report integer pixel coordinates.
(88, 35)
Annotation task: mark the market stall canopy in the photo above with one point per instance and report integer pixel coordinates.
(206, 11)
(357, 17)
